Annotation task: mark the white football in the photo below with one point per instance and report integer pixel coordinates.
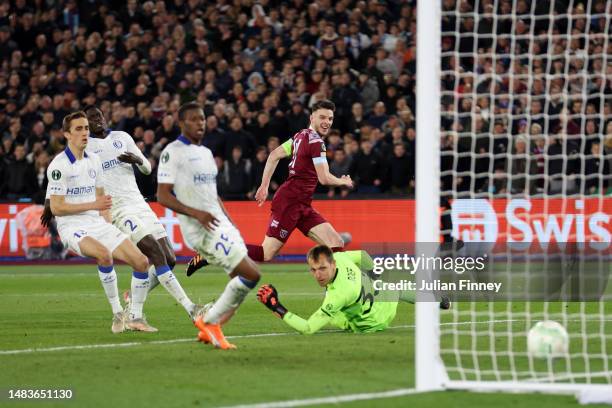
(547, 339)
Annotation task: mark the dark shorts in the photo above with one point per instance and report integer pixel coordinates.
(289, 215)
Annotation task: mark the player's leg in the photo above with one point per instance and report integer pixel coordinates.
(243, 279)
(163, 273)
(314, 226)
(226, 248)
(92, 248)
(126, 251)
(283, 220)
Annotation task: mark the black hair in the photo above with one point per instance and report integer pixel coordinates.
(323, 104)
(193, 105)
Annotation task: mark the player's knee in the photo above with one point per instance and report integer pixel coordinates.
(171, 260)
(269, 253)
(104, 257)
(141, 263)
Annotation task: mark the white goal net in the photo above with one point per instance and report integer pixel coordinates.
(526, 149)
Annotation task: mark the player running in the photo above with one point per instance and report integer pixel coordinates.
(81, 207)
(291, 205)
(133, 216)
(187, 184)
(350, 299)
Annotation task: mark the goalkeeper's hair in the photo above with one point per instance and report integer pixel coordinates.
(189, 106)
(316, 252)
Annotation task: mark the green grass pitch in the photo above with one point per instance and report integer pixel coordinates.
(43, 307)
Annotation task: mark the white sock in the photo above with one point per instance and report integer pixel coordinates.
(172, 285)
(140, 288)
(230, 299)
(108, 277)
(153, 281)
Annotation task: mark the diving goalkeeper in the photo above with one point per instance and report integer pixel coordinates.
(350, 301)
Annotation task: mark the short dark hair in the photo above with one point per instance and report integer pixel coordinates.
(186, 107)
(323, 104)
(88, 107)
(316, 252)
(70, 117)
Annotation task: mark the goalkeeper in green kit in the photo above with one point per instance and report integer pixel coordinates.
(350, 300)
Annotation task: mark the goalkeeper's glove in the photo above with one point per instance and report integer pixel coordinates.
(268, 295)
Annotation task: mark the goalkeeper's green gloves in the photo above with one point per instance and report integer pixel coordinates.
(268, 295)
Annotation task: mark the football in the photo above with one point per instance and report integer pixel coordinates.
(547, 339)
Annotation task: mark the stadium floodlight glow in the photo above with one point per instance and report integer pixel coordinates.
(511, 122)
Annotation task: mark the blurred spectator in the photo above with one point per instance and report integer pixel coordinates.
(19, 179)
(401, 168)
(366, 169)
(340, 166)
(237, 175)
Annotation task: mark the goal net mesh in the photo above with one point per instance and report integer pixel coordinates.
(526, 147)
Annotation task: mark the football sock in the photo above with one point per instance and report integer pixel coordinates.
(140, 288)
(108, 277)
(172, 285)
(153, 281)
(256, 252)
(233, 295)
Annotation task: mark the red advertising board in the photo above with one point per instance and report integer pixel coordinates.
(393, 221)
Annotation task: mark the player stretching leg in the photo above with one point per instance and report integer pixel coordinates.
(291, 206)
(189, 170)
(132, 215)
(350, 299)
(78, 201)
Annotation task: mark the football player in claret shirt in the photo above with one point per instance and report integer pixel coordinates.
(291, 205)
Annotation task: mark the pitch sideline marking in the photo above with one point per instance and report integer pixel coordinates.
(331, 400)
(192, 339)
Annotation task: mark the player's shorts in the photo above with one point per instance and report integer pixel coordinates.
(103, 232)
(289, 215)
(138, 221)
(223, 247)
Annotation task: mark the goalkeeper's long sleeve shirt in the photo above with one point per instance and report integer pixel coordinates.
(349, 303)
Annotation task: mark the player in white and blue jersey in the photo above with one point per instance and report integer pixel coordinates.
(132, 215)
(186, 180)
(81, 207)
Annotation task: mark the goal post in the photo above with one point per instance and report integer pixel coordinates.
(514, 126)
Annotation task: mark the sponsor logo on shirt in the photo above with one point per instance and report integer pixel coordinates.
(117, 144)
(274, 224)
(92, 173)
(204, 178)
(109, 164)
(80, 190)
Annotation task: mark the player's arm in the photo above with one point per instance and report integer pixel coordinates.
(105, 213)
(57, 194)
(277, 154)
(47, 215)
(133, 155)
(325, 315)
(328, 179)
(60, 207)
(361, 258)
(168, 200)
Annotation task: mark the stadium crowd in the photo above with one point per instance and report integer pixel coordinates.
(257, 66)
